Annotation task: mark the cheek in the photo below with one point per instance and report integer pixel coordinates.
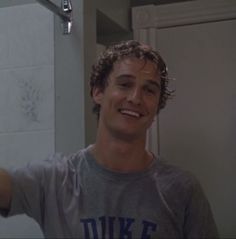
(111, 100)
(152, 104)
(116, 96)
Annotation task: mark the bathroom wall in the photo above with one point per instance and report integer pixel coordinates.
(26, 96)
(9, 3)
(116, 11)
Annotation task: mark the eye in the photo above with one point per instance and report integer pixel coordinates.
(124, 85)
(150, 90)
(124, 81)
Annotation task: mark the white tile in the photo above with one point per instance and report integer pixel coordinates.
(30, 35)
(26, 97)
(30, 103)
(4, 92)
(4, 44)
(19, 148)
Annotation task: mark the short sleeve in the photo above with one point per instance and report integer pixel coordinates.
(199, 221)
(30, 188)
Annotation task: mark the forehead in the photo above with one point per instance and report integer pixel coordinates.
(135, 66)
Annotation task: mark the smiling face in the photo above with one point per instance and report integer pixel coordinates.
(130, 100)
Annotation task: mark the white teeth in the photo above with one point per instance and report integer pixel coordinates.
(131, 113)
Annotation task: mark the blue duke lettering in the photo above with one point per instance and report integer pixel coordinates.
(103, 227)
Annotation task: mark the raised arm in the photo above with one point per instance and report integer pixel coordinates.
(5, 190)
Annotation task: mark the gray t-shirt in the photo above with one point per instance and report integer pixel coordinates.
(75, 197)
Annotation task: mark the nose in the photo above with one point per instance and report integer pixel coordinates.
(135, 96)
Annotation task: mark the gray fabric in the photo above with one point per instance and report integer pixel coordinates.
(76, 197)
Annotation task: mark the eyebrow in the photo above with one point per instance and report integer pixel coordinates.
(120, 77)
(151, 82)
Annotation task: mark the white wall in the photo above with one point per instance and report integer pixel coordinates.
(26, 96)
(9, 3)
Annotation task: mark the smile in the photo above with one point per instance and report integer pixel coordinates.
(130, 113)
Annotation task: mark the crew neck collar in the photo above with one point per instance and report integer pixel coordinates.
(117, 175)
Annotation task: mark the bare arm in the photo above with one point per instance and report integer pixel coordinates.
(5, 190)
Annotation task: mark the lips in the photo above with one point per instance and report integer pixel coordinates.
(131, 113)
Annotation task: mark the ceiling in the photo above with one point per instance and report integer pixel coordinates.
(135, 3)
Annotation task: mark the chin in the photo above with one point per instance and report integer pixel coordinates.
(128, 135)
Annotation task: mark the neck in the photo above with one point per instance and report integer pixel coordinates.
(120, 155)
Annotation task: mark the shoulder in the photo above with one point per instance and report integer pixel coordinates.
(173, 173)
(56, 166)
(176, 181)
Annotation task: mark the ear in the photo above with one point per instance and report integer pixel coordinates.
(97, 95)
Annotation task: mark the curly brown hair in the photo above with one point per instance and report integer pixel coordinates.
(131, 48)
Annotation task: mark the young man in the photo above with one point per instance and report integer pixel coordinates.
(115, 188)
